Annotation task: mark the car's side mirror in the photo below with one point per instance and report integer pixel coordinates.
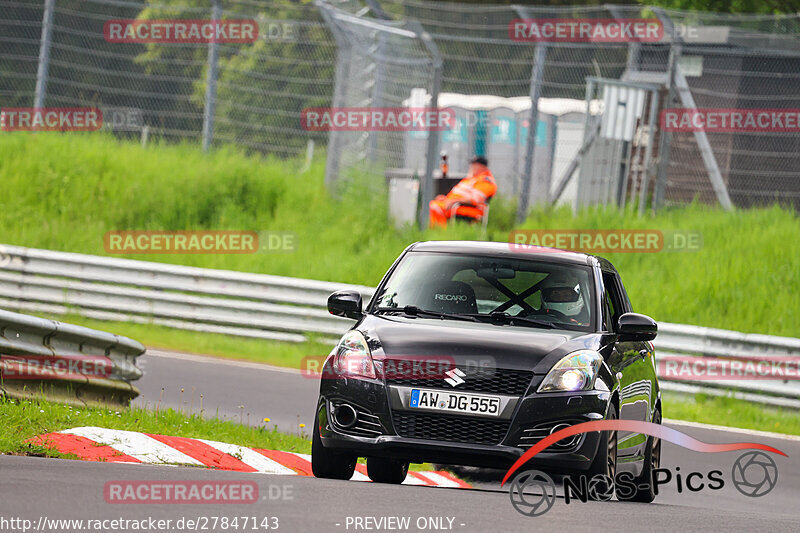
(345, 303)
(636, 327)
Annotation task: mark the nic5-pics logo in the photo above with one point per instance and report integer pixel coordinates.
(533, 492)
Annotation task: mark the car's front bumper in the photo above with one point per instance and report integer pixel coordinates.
(530, 411)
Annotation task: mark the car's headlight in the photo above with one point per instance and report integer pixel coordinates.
(352, 357)
(575, 371)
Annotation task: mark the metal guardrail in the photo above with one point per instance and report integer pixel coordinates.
(294, 310)
(677, 340)
(66, 362)
(218, 301)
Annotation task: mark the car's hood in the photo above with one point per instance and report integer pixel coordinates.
(501, 346)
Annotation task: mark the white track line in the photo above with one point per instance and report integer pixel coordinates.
(220, 361)
(135, 444)
(358, 476)
(741, 431)
(411, 480)
(251, 458)
(438, 479)
(151, 451)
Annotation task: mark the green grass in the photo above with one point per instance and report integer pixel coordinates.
(64, 192)
(730, 412)
(23, 419)
(746, 276)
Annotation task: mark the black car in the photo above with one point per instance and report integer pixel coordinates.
(471, 352)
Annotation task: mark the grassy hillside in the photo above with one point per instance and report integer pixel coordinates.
(64, 192)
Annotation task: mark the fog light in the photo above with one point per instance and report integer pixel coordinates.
(566, 442)
(345, 416)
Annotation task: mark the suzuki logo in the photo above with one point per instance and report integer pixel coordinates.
(454, 377)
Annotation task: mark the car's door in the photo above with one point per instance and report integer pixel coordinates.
(632, 362)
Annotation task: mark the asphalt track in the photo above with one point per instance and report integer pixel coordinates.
(33, 487)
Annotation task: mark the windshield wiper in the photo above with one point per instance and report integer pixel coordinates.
(412, 310)
(502, 317)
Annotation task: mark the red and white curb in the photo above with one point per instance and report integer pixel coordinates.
(119, 446)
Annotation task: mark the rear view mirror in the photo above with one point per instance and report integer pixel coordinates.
(346, 303)
(636, 327)
(496, 273)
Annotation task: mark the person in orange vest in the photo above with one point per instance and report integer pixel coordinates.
(468, 199)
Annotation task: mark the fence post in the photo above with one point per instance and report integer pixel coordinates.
(433, 135)
(377, 93)
(678, 85)
(665, 139)
(380, 74)
(589, 136)
(649, 152)
(341, 80)
(533, 121)
(211, 83)
(44, 54)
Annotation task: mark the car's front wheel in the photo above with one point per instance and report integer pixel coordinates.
(382, 470)
(645, 484)
(327, 463)
(603, 470)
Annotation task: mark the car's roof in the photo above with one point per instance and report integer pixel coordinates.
(506, 249)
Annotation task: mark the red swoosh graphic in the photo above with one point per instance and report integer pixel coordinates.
(634, 426)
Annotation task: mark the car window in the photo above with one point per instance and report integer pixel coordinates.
(558, 294)
(489, 297)
(614, 301)
(608, 313)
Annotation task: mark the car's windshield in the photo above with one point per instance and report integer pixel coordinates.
(502, 291)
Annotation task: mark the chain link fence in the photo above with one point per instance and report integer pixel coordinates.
(381, 65)
(250, 94)
(733, 62)
(539, 110)
(704, 61)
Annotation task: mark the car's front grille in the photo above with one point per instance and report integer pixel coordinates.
(490, 380)
(450, 428)
(533, 435)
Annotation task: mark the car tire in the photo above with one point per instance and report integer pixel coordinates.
(605, 461)
(382, 470)
(645, 486)
(328, 464)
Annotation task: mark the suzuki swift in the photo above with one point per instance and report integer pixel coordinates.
(469, 353)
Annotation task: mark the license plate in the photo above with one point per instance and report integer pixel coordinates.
(455, 402)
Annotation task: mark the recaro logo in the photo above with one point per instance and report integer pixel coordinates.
(454, 377)
(450, 297)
